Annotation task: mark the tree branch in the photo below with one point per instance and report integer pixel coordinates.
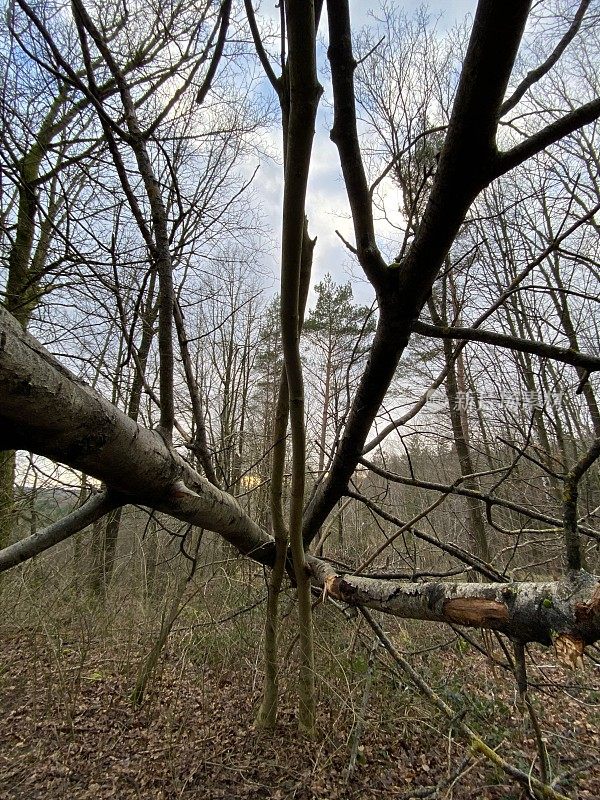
(489, 500)
(566, 355)
(516, 609)
(477, 745)
(446, 547)
(43, 408)
(260, 50)
(552, 133)
(93, 509)
(464, 168)
(534, 75)
(208, 78)
(345, 136)
(570, 492)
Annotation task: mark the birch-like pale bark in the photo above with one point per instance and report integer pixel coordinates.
(527, 612)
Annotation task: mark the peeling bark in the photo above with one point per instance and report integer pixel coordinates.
(527, 612)
(474, 611)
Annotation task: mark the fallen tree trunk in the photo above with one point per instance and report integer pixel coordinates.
(525, 611)
(43, 408)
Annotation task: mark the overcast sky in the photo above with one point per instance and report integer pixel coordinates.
(326, 203)
(451, 10)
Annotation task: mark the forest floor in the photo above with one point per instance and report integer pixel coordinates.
(70, 730)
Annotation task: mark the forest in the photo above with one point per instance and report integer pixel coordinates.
(299, 400)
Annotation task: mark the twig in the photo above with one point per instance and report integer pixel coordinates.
(476, 744)
(360, 720)
(521, 677)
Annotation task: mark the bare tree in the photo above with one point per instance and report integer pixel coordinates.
(143, 466)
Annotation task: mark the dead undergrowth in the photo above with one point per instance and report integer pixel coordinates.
(70, 730)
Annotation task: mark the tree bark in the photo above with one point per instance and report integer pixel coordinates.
(45, 410)
(527, 612)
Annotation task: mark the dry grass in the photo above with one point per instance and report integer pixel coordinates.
(68, 666)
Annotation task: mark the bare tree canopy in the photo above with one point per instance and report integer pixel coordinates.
(135, 349)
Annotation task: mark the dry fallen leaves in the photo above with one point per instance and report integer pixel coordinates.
(569, 650)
